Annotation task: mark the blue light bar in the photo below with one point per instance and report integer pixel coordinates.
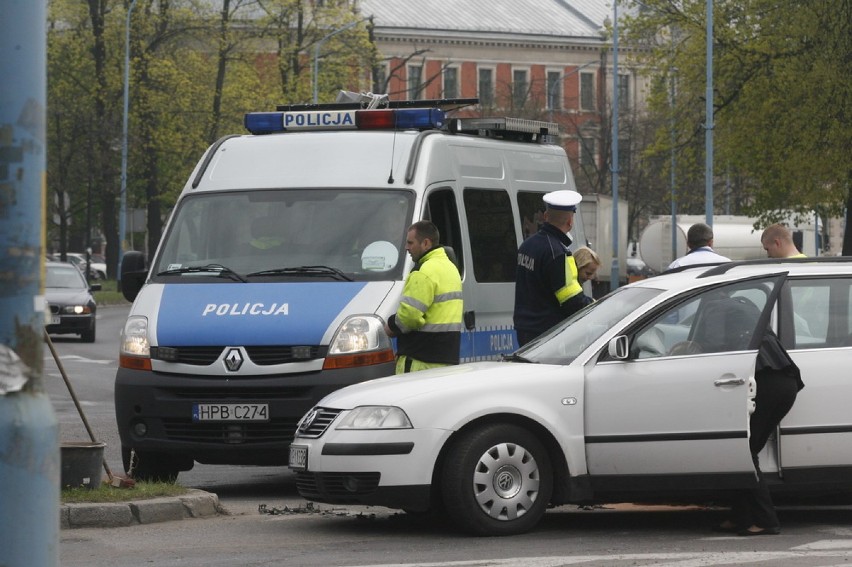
(419, 118)
(264, 122)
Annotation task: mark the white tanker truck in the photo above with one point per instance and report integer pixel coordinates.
(733, 236)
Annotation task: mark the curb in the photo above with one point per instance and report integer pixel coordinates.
(194, 504)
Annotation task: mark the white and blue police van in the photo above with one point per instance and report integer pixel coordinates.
(285, 253)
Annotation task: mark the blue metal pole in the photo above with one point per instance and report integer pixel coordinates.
(708, 128)
(122, 213)
(672, 174)
(29, 431)
(613, 282)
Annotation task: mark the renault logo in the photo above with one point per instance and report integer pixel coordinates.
(233, 360)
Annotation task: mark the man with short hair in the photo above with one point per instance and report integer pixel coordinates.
(699, 240)
(777, 240)
(428, 321)
(547, 289)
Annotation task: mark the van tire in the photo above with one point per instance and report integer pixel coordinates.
(486, 461)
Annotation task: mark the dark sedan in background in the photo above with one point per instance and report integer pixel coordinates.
(69, 297)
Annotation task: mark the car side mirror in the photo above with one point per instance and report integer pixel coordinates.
(618, 347)
(133, 274)
(95, 287)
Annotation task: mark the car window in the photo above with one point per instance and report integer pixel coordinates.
(721, 319)
(67, 277)
(569, 339)
(822, 311)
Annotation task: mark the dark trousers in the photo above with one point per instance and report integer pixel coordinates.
(525, 336)
(776, 392)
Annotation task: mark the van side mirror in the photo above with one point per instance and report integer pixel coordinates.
(617, 347)
(133, 274)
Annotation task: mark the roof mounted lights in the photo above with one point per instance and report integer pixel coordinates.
(384, 119)
(517, 129)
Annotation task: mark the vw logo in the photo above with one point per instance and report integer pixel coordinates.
(233, 360)
(505, 481)
(306, 422)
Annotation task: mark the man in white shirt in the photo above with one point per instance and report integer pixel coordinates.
(699, 240)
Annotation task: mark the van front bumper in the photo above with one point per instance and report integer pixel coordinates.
(154, 412)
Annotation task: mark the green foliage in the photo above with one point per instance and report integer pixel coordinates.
(193, 75)
(781, 96)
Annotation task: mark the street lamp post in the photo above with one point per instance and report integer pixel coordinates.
(552, 88)
(613, 282)
(122, 214)
(317, 46)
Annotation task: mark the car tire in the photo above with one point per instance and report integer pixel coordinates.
(496, 480)
(151, 466)
(88, 336)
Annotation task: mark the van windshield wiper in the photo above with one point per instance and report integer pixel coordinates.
(514, 357)
(218, 269)
(304, 271)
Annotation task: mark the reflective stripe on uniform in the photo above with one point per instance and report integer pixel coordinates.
(572, 287)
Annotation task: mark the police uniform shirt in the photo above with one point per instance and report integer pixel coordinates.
(545, 273)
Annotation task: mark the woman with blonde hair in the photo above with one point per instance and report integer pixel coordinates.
(587, 262)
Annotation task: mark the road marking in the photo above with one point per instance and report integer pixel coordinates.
(826, 544)
(656, 559)
(83, 359)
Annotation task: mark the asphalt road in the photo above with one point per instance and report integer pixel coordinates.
(622, 535)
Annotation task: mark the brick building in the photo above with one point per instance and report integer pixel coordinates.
(537, 59)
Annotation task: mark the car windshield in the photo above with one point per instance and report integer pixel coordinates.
(341, 234)
(64, 277)
(563, 343)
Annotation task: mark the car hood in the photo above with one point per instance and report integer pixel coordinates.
(64, 296)
(502, 383)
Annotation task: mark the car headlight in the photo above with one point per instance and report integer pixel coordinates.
(134, 337)
(77, 309)
(359, 333)
(375, 417)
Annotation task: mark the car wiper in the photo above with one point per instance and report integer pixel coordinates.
(515, 357)
(218, 269)
(304, 271)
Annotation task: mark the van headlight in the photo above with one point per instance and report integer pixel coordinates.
(375, 417)
(359, 341)
(359, 333)
(134, 337)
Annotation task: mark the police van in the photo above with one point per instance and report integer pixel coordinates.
(285, 253)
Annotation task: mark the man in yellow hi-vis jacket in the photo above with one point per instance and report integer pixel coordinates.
(428, 321)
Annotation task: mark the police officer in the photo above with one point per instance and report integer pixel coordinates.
(428, 321)
(546, 286)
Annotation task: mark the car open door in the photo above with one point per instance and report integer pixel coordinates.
(675, 412)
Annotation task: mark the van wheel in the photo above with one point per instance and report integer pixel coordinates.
(497, 480)
(151, 466)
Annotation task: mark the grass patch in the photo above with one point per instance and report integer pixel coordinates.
(107, 493)
(109, 294)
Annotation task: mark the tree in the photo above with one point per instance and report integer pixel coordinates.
(781, 96)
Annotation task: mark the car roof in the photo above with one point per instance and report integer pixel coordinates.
(686, 277)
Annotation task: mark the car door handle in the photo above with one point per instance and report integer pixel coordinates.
(729, 382)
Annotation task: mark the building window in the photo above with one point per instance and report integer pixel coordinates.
(451, 82)
(486, 87)
(588, 152)
(519, 88)
(554, 90)
(380, 81)
(587, 91)
(624, 91)
(415, 81)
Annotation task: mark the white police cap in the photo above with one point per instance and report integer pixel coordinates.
(564, 200)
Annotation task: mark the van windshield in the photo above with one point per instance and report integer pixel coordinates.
(337, 234)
